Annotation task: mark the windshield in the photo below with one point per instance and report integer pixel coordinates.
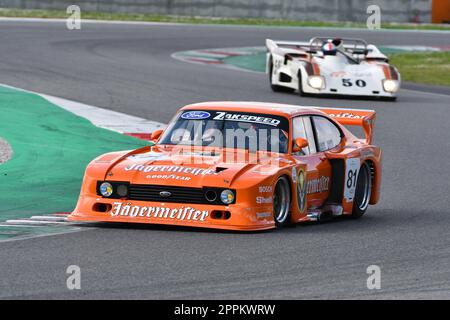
(238, 130)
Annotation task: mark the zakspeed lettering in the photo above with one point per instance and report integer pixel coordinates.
(318, 185)
(167, 168)
(183, 213)
(246, 118)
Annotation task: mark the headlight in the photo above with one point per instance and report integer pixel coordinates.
(390, 85)
(227, 196)
(317, 82)
(106, 189)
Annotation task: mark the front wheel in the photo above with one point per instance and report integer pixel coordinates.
(363, 192)
(281, 202)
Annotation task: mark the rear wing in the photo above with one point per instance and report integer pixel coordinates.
(273, 45)
(354, 117)
(355, 49)
(315, 44)
(352, 45)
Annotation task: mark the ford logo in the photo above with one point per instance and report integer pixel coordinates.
(195, 115)
(165, 194)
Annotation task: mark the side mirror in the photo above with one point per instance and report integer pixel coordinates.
(156, 135)
(299, 144)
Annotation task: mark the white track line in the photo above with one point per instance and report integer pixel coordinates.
(18, 226)
(48, 218)
(102, 118)
(427, 92)
(34, 222)
(112, 120)
(179, 57)
(34, 236)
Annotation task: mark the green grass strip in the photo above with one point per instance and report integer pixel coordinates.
(208, 20)
(428, 68)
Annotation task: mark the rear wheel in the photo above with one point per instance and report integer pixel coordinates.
(363, 192)
(281, 202)
(274, 87)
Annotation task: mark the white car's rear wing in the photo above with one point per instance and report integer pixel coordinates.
(351, 46)
(272, 45)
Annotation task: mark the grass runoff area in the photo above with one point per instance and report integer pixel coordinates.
(428, 68)
(208, 20)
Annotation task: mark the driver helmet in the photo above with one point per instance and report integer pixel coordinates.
(329, 49)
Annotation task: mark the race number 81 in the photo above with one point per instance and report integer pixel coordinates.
(351, 178)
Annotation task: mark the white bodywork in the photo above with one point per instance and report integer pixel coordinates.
(356, 74)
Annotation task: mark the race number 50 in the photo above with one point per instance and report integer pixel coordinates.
(348, 83)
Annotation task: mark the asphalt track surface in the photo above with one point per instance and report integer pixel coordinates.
(128, 68)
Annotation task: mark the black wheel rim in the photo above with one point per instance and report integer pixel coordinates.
(281, 201)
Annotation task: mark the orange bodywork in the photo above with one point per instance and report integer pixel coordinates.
(192, 171)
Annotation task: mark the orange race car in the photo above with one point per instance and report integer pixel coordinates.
(239, 166)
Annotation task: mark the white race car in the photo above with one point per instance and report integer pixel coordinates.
(331, 67)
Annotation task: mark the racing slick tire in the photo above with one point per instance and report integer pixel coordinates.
(363, 192)
(274, 87)
(282, 202)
